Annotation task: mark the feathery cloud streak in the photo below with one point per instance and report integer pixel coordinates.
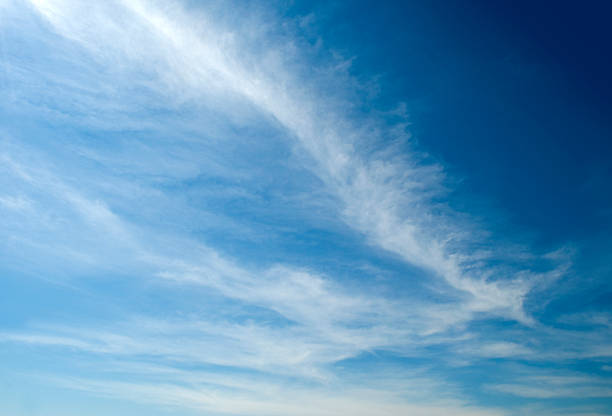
(386, 200)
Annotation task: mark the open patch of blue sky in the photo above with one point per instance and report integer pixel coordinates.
(298, 208)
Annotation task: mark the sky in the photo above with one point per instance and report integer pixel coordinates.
(305, 208)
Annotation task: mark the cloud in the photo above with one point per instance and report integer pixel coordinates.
(274, 401)
(534, 391)
(547, 383)
(387, 199)
(499, 350)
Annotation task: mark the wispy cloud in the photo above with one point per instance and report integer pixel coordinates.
(549, 387)
(275, 401)
(386, 199)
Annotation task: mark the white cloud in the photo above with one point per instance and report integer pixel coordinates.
(276, 401)
(551, 384)
(386, 199)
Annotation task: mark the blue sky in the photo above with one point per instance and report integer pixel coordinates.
(304, 208)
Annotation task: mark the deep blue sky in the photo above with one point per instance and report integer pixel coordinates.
(523, 90)
(514, 98)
